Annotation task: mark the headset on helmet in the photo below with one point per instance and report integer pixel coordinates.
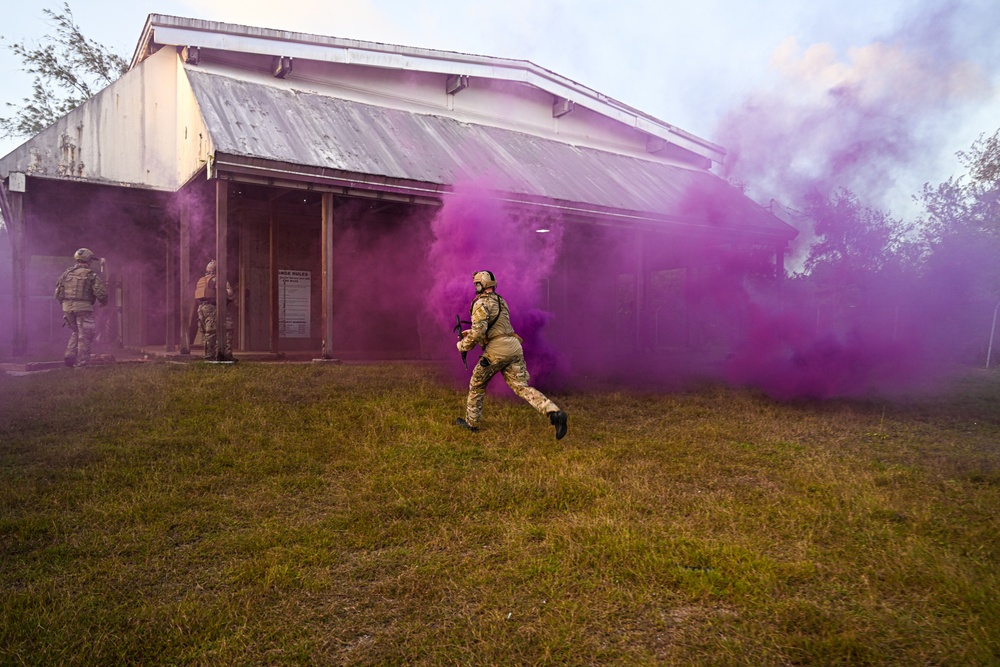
(211, 267)
(483, 280)
(83, 255)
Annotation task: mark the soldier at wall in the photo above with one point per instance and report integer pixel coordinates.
(204, 294)
(78, 289)
(502, 353)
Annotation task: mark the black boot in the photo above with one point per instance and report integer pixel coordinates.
(559, 419)
(69, 361)
(465, 424)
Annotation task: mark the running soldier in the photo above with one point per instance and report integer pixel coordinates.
(77, 289)
(204, 294)
(502, 353)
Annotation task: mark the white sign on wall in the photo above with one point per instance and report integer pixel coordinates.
(293, 303)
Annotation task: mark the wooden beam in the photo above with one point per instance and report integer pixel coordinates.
(640, 286)
(186, 314)
(221, 265)
(456, 83)
(13, 211)
(172, 295)
(275, 330)
(327, 244)
(191, 55)
(281, 66)
(561, 106)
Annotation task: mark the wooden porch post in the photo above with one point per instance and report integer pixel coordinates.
(173, 296)
(221, 265)
(275, 329)
(327, 243)
(186, 298)
(640, 284)
(14, 213)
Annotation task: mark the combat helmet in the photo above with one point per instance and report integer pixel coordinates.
(83, 255)
(484, 280)
(210, 269)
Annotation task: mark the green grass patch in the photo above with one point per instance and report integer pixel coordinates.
(310, 514)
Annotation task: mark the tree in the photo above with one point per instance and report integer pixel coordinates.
(68, 69)
(983, 160)
(962, 228)
(969, 205)
(856, 239)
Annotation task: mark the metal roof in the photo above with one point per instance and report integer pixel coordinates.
(161, 30)
(260, 122)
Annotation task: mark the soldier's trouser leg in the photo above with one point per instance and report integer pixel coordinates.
(516, 375)
(74, 338)
(86, 325)
(208, 326)
(481, 376)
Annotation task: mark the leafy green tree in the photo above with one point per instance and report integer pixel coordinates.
(856, 239)
(962, 225)
(983, 160)
(861, 257)
(68, 69)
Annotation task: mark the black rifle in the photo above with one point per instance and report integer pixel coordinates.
(458, 330)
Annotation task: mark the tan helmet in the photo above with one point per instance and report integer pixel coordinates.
(484, 280)
(210, 269)
(83, 255)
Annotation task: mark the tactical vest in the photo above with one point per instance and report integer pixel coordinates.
(501, 307)
(78, 284)
(205, 289)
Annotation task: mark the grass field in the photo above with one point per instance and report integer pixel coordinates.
(273, 514)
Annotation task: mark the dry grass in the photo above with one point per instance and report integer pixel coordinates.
(301, 514)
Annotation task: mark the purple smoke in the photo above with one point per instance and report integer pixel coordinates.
(864, 123)
(474, 231)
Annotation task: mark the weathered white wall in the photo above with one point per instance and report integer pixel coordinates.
(142, 130)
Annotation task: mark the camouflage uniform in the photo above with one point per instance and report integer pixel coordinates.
(77, 289)
(502, 353)
(207, 321)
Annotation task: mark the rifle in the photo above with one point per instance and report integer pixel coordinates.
(458, 330)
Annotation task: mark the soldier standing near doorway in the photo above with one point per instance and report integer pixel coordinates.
(502, 353)
(77, 289)
(204, 294)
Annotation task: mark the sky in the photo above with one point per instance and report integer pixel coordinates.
(691, 64)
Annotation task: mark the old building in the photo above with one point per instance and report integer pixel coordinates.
(313, 168)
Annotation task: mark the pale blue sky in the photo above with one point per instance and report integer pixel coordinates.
(686, 63)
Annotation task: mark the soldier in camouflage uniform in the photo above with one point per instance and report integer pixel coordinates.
(502, 353)
(77, 289)
(204, 294)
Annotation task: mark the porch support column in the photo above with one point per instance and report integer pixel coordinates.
(327, 243)
(186, 315)
(640, 285)
(221, 266)
(173, 297)
(13, 212)
(273, 279)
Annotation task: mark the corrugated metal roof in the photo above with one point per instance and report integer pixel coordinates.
(163, 30)
(256, 120)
